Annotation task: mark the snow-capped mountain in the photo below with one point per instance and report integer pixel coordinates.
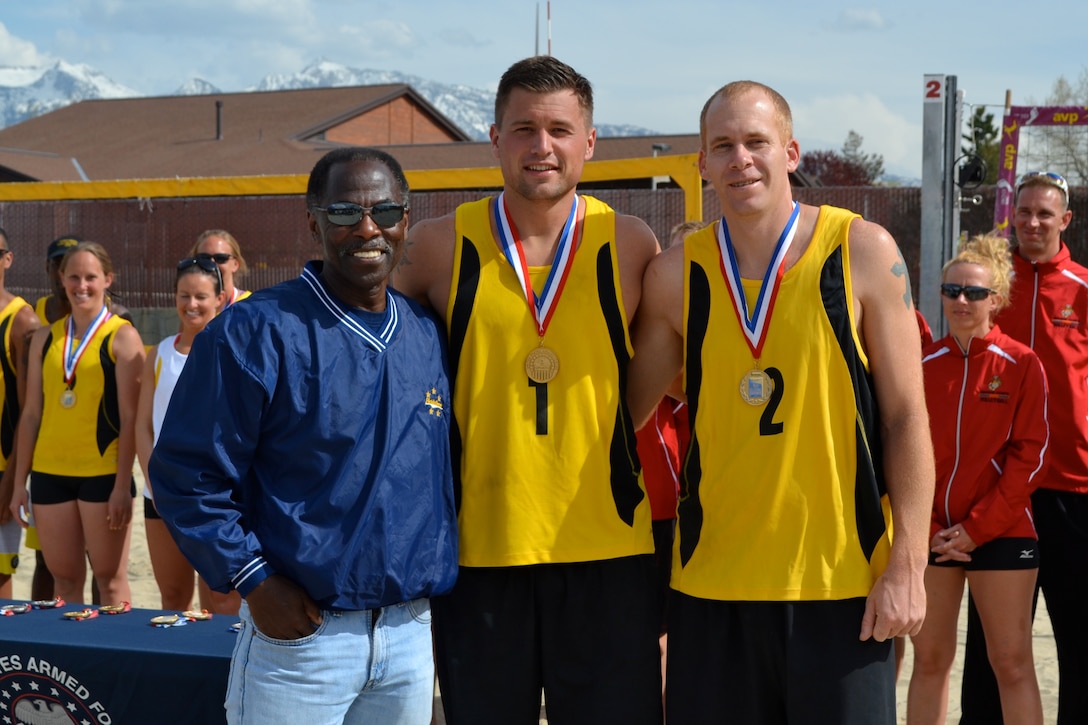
(196, 87)
(29, 92)
(471, 109)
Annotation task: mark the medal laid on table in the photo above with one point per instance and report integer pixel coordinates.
(72, 357)
(756, 385)
(541, 363)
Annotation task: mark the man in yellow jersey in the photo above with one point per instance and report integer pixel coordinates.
(17, 324)
(795, 331)
(537, 288)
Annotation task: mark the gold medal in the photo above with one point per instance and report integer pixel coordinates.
(541, 364)
(116, 608)
(81, 614)
(68, 398)
(756, 387)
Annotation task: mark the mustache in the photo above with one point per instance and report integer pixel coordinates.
(379, 245)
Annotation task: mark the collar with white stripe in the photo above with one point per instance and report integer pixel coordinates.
(380, 341)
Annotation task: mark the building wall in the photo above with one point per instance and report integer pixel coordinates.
(398, 122)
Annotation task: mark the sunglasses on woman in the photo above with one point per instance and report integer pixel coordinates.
(971, 292)
(206, 262)
(219, 258)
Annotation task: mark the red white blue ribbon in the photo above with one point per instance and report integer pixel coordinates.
(72, 357)
(756, 324)
(541, 307)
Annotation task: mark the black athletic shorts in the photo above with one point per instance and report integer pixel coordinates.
(585, 632)
(150, 512)
(664, 532)
(47, 488)
(775, 663)
(998, 555)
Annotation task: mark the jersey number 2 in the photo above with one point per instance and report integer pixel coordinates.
(767, 426)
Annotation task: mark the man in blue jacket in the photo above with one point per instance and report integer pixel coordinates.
(304, 461)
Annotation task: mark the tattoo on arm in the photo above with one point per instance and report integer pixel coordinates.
(404, 261)
(899, 269)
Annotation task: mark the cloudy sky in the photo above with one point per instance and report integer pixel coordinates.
(842, 65)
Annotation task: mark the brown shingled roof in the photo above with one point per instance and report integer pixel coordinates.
(275, 132)
(263, 133)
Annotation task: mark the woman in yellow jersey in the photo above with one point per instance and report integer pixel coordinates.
(221, 247)
(76, 437)
(198, 293)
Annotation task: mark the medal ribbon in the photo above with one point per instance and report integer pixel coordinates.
(71, 358)
(540, 308)
(755, 326)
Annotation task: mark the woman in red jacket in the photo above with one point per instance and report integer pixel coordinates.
(987, 403)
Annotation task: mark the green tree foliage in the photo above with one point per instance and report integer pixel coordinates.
(872, 163)
(983, 138)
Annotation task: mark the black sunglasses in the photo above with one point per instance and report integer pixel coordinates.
(206, 262)
(220, 258)
(971, 292)
(345, 214)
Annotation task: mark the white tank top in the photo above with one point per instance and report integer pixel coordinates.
(168, 365)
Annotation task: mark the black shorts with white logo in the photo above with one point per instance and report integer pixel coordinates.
(999, 555)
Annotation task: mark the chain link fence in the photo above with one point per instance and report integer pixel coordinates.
(146, 238)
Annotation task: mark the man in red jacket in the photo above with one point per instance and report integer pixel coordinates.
(1049, 313)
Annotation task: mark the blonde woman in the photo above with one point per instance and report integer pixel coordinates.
(987, 401)
(76, 433)
(221, 247)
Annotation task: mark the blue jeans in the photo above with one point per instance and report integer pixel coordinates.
(357, 667)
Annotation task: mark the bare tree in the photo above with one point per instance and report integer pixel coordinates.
(872, 163)
(1063, 149)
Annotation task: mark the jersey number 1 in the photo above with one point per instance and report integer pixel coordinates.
(541, 406)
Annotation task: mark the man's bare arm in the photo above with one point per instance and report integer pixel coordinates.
(636, 246)
(656, 335)
(889, 334)
(426, 266)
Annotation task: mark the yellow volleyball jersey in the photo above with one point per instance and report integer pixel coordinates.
(547, 472)
(39, 309)
(783, 501)
(9, 392)
(80, 440)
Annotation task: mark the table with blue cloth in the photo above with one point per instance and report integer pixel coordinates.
(115, 668)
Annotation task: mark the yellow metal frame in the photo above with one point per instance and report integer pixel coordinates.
(683, 169)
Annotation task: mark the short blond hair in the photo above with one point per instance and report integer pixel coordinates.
(991, 252)
(235, 248)
(682, 230)
(736, 89)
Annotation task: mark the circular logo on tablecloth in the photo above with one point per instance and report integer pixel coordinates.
(33, 691)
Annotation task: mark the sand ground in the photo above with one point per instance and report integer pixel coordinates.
(145, 595)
